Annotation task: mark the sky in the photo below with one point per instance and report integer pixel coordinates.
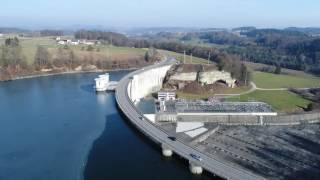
(159, 13)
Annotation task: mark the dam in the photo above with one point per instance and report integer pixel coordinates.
(150, 80)
(141, 83)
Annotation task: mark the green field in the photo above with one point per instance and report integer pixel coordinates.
(283, 101)
(269, 80)
(194, 96)
(189, 60)
(29, 46)
(113, 51)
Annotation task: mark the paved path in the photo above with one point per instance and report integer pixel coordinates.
(255, 88)
(218, 167)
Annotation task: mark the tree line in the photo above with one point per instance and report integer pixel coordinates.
(288, 48)
(65, 57)
(13, 61)
(49, 32)
(238, 70)
(107, 37)
(12, 57)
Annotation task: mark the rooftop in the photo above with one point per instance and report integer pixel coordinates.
(183, 106)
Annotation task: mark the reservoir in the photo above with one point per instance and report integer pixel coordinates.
(57, 127)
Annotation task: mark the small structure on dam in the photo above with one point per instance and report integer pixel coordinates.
(103, 83)
(166, 96)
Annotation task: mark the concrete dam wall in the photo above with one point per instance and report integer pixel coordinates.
(147, 82)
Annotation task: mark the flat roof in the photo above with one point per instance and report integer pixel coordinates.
(223, 108)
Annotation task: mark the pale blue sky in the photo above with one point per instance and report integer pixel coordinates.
(147, 13)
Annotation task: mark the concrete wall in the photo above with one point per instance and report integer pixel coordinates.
(249, 120)
(292, 119)
(147, 82)
(221, 119)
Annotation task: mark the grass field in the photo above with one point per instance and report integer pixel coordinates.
(112, 52)
(269, 80)
(29, 46)
(283, 101)
(236, 90)
(179, 57)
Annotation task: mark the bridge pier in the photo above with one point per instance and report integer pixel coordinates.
(195, 169)
(166, 151)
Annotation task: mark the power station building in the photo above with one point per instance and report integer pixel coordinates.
(220, 112)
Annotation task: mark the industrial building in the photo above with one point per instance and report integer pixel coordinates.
(103, 83)
(173, 111)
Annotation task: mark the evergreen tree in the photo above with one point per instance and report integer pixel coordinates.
(278, 69)
(146, 56)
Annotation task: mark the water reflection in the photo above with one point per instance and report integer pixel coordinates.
(102, 98)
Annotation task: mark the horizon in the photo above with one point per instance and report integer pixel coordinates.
(118, 29)
(144, 13)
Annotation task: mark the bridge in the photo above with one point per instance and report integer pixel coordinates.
(125, 97)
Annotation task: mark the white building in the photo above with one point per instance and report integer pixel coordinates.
(62, 42)
(101, 83)
(166, 96)
(67, 41)
(88, 42)
(77, 42)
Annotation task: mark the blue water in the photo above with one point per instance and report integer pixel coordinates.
(58, 128)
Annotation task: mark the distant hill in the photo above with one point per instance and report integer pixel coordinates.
(8, 30)
(244, 29)
(307, 30)
(264, 32)
(156, 30)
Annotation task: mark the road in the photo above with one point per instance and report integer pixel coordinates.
(217, 167)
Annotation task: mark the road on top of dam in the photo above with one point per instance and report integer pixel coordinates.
(217, 167)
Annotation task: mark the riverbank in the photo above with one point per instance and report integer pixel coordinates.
(41, 74)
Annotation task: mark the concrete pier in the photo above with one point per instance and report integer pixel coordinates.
(195, 169)
(166, 151)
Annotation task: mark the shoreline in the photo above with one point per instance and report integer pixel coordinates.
(65, 72)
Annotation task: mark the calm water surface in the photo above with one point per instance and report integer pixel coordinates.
(58, 128)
